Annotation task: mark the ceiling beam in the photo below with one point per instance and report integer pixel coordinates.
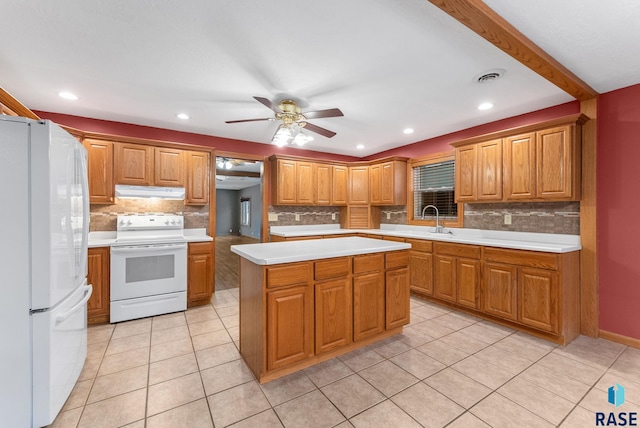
(237, 173)
(485, 22)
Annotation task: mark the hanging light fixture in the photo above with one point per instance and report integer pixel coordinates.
(223, 163)
(291, 133)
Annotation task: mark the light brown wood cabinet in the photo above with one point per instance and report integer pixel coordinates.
(457, 273)
(388, 183)
(294, 315)
(540, 163)
(339, 185)
(98, 306)
(169, 167)
(359, 185)
(200, 278)
(133, 164)
(421, 266)
(360, 217)
(100, 170)
(301, 182)
(197, 184)
(323, 183)
(500, 291)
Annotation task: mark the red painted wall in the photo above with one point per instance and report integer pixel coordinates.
(442, 143)
(618, 209)
(223, 144)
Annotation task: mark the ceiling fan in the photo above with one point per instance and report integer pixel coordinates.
(293, 120)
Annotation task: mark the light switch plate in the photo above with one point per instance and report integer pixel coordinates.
(273, 217)
(507, 219)
(297, 217)
(388, 216)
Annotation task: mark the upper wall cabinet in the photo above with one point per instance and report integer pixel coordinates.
(539, 163)
(133, 164)
(388, 183)
(169, 167)
(359, 184)
(339, 184)
(197, 183)
(100, 170)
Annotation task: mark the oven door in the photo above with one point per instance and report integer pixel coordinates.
(148, 270)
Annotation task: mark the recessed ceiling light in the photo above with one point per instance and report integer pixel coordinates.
(408, 131)
(68, 95)
(485, 106)
(360, 146)
(183, 116)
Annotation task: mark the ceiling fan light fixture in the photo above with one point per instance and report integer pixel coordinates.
(282, 137)
(301, 139)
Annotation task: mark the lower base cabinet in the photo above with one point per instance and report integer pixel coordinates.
(98, 306)
(298, 314)
(200, 277)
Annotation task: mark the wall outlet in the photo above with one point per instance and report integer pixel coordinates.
(507, 219)
(273, 217)
(333, 216)
(297, 217)
(388, 216)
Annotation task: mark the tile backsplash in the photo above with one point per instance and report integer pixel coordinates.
(306, 215)
(539, 217)
(104, 217)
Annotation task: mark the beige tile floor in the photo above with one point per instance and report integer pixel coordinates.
(446, 369)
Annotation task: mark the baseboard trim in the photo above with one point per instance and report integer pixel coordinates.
(615, 337)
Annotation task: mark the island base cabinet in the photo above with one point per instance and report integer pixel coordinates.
(333, 314)
(289, 326)
(368, 305)
(397, 298)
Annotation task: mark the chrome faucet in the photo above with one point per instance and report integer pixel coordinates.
(439, 229)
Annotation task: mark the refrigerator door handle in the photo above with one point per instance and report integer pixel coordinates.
(63, 316)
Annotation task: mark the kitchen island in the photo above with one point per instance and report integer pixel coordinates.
(304, 302)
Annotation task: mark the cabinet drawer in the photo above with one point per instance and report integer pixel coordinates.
(459, 250)
(397, 259)
(421, 245)
(290, 274)
(332, 268)
(368, 263)
(522, 258)
(200, 247)
(393, 238)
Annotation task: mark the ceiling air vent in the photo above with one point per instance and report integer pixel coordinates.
(489, 76)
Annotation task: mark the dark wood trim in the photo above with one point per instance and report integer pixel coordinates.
(589, 295)
(577, 118)
(615, 337)
(231, 173)
(237, 155)
(484, 21)
(266, 199)
(14, 106)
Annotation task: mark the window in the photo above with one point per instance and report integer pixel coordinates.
(245, 211)
(433, 183)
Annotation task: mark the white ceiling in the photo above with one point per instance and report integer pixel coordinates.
(387, 65)
(237, 182)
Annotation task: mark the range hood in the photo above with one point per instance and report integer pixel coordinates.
(146, 192)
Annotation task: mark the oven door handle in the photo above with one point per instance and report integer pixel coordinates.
(155, 249)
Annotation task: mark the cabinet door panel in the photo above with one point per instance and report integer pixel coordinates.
(421, 272)
(322, 180)
(169, 167)
(286, 182)
(304, 183)
(554, 163)
(133, 164)
(538, 299)
(500, 293)
(368, 305)
(468, 273)
(197, 188)
(444, 286)
(289, 326)
(397, 298)
(100, 170)
(333, 314)
(490, 170)
(466, 173)
(519, 166)
(200, 277)
(387, 183)
(340, 185)
(359, 185)
(98, 306)
(375, 184)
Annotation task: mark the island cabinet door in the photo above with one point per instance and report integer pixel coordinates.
(397, 298)
(289, 326)
(333, 314)
(368, 305)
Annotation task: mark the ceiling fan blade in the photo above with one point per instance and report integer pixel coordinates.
(318, 130)
(268, 103)
(332, 112)
(248, 120)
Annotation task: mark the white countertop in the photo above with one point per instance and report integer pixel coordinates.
(547, 242)
(106, 239)
(272, 253)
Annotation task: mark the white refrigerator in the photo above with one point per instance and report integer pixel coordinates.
(44, 224)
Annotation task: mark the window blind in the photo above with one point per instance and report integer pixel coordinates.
(433, 184)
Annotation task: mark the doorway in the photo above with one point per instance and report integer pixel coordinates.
(239, 201)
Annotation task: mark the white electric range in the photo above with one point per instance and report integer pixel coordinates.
(148, 267)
